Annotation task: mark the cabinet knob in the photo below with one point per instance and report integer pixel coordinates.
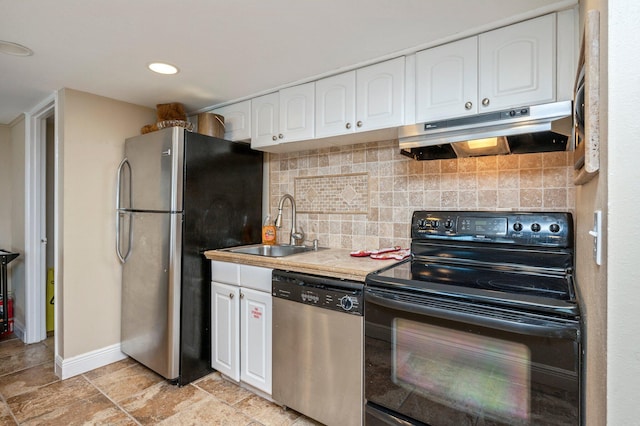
(468, 105)
(485, 102)
(280, 136)
(241, 295)
(274, 137)
(348, 126)
(230, 295)
(359, 124)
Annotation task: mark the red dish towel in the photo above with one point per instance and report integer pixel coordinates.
(398, 255)
(384, 253)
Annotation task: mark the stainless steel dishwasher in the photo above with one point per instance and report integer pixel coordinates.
(318, 334)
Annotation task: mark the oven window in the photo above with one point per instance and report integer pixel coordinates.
(441, 371)
(467, 372)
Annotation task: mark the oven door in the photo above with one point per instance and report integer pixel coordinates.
(448, 362)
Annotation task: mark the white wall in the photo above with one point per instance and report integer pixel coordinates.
(91, 145)
(623, 289)
(5, 187)
(17, 221)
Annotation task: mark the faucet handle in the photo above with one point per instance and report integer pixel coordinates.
(298, 238)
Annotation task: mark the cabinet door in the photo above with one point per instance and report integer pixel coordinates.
(517, 65)
(225, 343)
(336, 105)
(297, 113)
(380, 95)
(447, 81)
(255, 333)
(237, 120)
(265, 111)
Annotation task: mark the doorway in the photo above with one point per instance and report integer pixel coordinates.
(40, 218)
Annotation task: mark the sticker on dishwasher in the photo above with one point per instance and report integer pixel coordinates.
(256, 313)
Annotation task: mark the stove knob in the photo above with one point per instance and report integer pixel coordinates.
(535, 227)
(448, 223)
(517, 227)
(554, 228)
(346, 303)
(422, 224)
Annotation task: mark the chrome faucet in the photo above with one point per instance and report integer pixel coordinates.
(297, 237)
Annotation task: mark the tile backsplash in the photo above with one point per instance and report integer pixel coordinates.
(362, 196)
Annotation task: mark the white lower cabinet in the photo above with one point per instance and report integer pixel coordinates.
(255, 338)
(225, 329)
(241, 323)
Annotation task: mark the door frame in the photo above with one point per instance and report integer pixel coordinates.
(35, 329)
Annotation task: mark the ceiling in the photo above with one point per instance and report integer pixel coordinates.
(225, 50)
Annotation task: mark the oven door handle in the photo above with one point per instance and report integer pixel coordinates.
(541, 328)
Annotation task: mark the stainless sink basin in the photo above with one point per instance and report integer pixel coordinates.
(270, 251)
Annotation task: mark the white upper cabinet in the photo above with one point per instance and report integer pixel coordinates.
(447, 80)
(517, 64)
(237, 120)
(284, 116)
(508, 67)
(336, 105)
(297, 113)
(265, 120)
(368, 98)
(380, 95)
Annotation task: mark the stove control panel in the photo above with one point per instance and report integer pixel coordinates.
(553, 229)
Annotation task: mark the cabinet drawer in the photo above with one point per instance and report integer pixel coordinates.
(256, 278)
(225, 272)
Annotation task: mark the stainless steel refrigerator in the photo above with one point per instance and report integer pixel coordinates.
(178, 195)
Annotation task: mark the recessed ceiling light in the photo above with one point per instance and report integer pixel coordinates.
(14, 49)
(163, 68)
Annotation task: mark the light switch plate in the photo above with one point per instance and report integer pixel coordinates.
(596, 233)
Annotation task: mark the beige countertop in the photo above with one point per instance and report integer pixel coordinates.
(331, 262)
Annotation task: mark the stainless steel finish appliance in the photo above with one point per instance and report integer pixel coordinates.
(317, 347)
(481, 326)
(525, 129)
(179, 194)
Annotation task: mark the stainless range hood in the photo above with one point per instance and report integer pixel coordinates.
(526, 129)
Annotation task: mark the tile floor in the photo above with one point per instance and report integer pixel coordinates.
(122, 393)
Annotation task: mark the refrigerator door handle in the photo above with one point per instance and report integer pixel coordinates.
(120, 213)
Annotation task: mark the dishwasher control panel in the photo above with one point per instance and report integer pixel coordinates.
(329, 293)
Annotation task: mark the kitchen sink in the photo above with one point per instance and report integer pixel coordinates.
(279, 250)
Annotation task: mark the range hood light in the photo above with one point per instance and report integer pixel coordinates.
(479, 147)
(482, 143)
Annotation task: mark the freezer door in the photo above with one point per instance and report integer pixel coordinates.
(156, 164)
(151, 292)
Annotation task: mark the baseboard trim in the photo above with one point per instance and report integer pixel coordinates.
(18, 329)
(69, 367)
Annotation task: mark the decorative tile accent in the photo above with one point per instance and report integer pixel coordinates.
(338, 194)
